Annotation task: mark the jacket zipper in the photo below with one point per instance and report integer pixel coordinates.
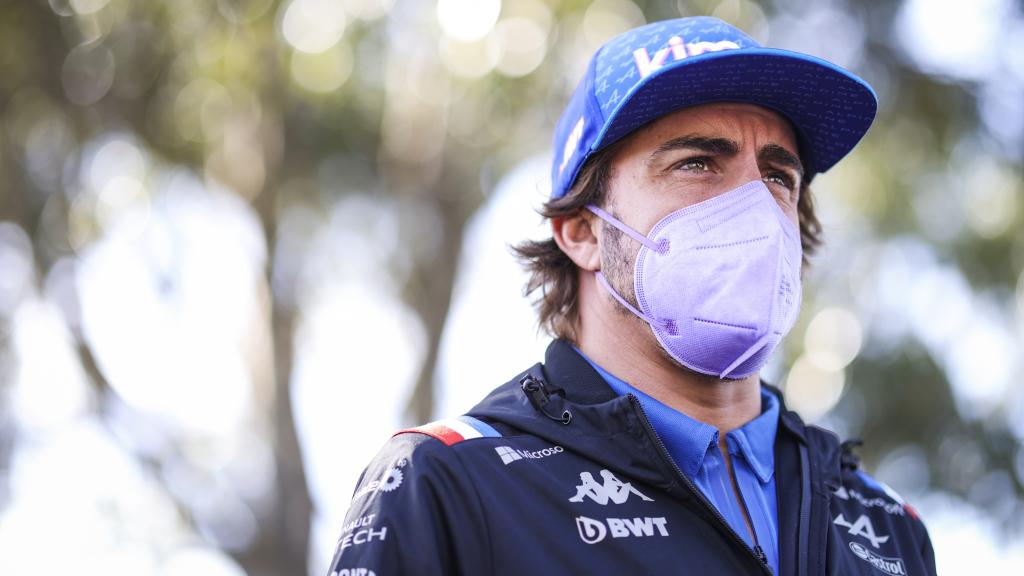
(758, 551)
(803, 560)
(757, 554)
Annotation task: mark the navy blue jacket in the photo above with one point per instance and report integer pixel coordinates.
(554, 474)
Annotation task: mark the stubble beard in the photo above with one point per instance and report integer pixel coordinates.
(618, 263)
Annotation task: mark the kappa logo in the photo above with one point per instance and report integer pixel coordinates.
(646, 64)
(613, 489)
(509, 454)
(389, 482)
(862, 527)
(893, 566)
(593, 531)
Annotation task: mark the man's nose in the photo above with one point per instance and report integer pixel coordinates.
(744, 169)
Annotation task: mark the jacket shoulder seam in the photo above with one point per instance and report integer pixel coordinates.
(451, 431)
(483, 512)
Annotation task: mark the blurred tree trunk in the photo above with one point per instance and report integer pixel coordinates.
(434, 281)
(282, 546)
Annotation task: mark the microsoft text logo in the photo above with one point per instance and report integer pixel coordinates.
(509, 454)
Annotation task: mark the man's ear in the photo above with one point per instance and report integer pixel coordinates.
(577, 236)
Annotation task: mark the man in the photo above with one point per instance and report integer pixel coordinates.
(646, 443)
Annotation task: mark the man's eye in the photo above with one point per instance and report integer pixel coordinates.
(694, 165)
(779, 178)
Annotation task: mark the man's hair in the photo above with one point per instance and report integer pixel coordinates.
(556, 276)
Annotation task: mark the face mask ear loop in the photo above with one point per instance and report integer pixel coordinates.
(743, 357)
(658, 247)
(604, 282)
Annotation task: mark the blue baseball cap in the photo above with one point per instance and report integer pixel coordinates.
(650, 71)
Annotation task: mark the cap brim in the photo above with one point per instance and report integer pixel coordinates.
(830, 108)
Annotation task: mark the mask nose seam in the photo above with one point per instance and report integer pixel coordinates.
(727, 245)
(716, 323)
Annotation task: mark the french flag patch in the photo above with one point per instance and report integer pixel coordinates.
(454, 430)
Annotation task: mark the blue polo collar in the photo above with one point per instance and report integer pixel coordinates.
(688, 440)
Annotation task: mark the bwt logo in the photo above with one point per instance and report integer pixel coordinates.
(645, 63)
(510, 455)
(593, 531)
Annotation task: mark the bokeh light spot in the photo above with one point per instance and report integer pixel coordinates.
(84, 7)
(108, 159)
(200, 109)
(313, 25)
(523, 46)
(607, 18)
(324, 72)
(470, 59)
(991, 200)
(16, 262)
(48, 144)
(833, 339)
(811, 390)
(87, 74)
(943, 38)
(368, 9)
(467, 20)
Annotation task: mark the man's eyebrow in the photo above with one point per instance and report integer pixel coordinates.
(779, 155)
(695, 142)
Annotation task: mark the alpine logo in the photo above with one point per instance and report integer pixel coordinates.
(862, 527)
(612, 489)
(593, 531)
(509, 454)
(390, 481)
(893, 566)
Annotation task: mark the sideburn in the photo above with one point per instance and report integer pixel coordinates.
(618, 260)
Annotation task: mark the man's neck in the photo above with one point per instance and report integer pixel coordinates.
(625, 347)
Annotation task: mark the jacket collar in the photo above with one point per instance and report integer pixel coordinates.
(604, 427)
(689, 440)
(567, 370)
(607, 428)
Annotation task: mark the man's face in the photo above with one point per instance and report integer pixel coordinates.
(690, 156)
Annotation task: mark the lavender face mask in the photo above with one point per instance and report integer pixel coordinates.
(718, 281)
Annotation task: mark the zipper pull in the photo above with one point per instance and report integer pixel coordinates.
(538, 395)
(760, 554)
